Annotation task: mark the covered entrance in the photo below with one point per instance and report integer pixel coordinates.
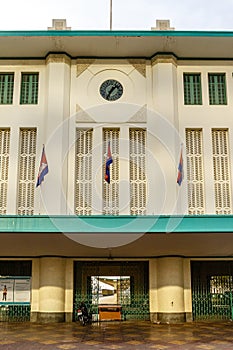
(212, 288)
(120, 286)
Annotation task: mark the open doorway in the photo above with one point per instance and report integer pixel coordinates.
(110, 289)
(121, 283)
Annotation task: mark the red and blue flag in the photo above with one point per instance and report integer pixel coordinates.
(43, 169)
(107, 166)
(180, 175)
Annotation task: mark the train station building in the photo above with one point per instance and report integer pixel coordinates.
(116, 174)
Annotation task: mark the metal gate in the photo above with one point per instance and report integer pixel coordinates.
(15, 313)
(212, 290)
(129, 281)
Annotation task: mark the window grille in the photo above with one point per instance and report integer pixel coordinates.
(26, 186)
(192, 89)
(29, 88)
(111, 191)
(137, 170)
(6, 88)
(221, 171)
(217, 89)
(4, 167)
(195, 176)
(83, 172)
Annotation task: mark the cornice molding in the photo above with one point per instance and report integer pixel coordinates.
(58, 58)
(164, 58)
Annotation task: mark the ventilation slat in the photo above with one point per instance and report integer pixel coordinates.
(221, 171)
(195, 176)
(27, 157)
(4, 167)
(137, 170)
(83, 172)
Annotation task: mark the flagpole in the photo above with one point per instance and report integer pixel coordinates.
(40, 190)
(40, 199)
(110, 14)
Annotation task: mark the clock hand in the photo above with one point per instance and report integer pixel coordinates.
(111, 90)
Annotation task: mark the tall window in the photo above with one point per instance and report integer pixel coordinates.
(4, 165)
(111, 190)
(6, 88)
(221, 171)
(217, 89)
(83, 172)
(195, 177)
(26, 185)
(29, 88)
(137, 170)
(192, 89)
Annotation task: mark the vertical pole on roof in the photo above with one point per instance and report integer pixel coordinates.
(110, 14)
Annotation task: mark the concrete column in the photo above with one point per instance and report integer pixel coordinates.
(187, 291)
(153, 289)
(208, 171)
(69, 288)
(163, 135)
(35, 287)
(52, 290)
(57, 116)
(97, 172)
(13, 166)
(170, 285)
(124, 189)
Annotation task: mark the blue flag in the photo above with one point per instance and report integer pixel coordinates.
(180, 175)
(43, 169)
(108, 162)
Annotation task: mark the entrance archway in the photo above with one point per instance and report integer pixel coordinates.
(122, 282)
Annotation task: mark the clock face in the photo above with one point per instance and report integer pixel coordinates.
(111, 90)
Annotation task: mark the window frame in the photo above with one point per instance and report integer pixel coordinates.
(29, 89)
(192, 89)
(6, 88)
(217, 89)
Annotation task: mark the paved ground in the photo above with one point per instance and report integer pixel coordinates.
(116, 336)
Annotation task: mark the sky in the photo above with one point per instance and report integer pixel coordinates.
(126, 14)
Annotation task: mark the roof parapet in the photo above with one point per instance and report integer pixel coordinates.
(59, 24)
(162, 24)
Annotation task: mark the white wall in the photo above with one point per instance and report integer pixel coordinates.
(68, 100)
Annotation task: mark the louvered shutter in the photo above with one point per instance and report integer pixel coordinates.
(221, 171)
(83, 172)
(26, 185)
(4, 167)
(137, 170)
(195, 177)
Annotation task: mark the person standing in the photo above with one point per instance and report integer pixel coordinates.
(4, 293)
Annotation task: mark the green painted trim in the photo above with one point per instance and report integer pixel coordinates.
(116, 224)
(7, 303)
(130, 33)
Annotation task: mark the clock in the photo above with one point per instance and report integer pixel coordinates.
(111, 90)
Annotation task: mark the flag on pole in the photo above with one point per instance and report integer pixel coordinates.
(108, 162)
(43, 169)
(180, 175)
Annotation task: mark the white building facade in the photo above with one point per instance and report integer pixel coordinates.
(152, 96)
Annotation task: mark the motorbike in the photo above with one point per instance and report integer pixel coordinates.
(83, 316)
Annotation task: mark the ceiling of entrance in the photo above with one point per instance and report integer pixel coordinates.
(148, 245)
